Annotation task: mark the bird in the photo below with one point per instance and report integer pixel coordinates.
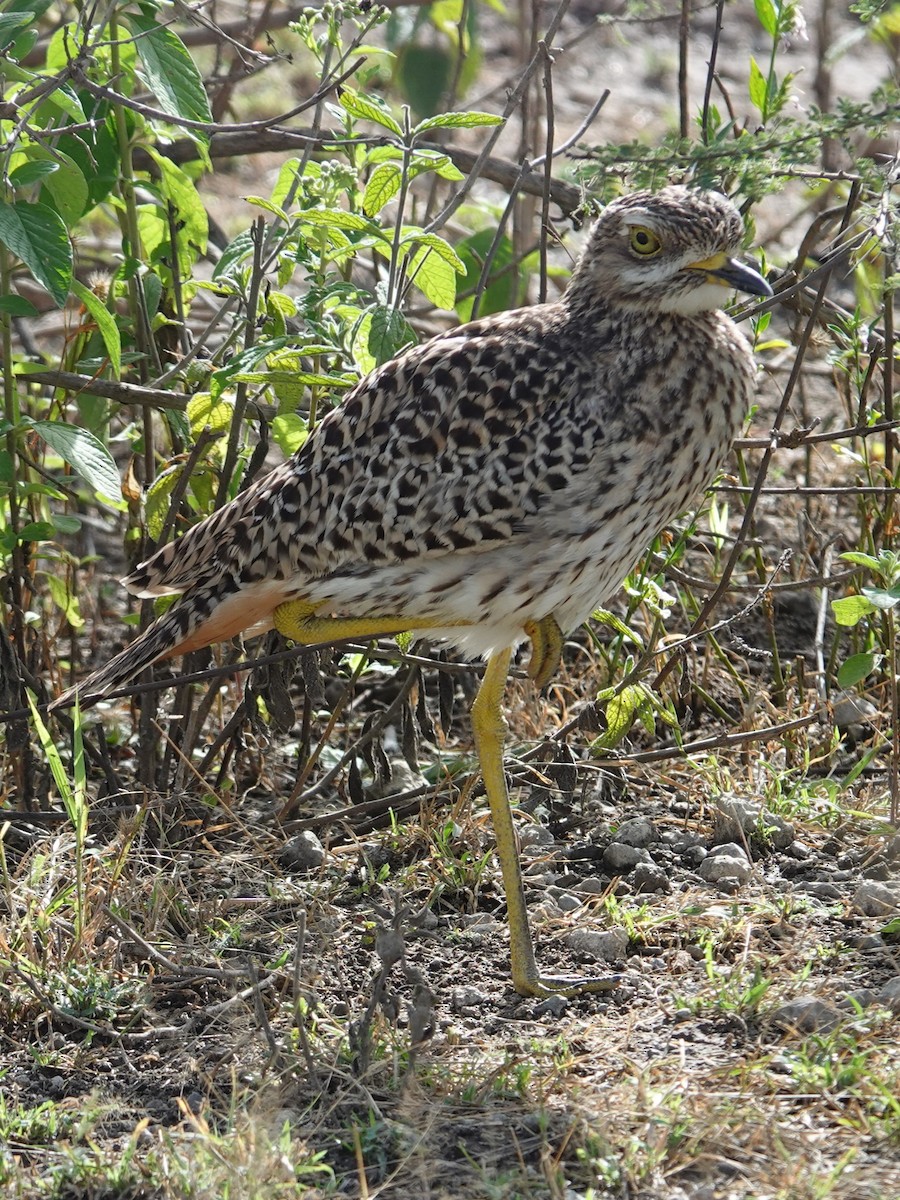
(491, 486)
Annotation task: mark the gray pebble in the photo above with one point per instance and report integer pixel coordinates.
(648, 877)
(889, 995)
(719, 868)
(822, 891)
(593, 885)
(302, 853)
(738, 815)
(608, 944)
(619, 858)
(875, 899)
(808, 1014)
(637, 831)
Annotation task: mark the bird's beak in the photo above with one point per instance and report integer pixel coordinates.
(732, 274)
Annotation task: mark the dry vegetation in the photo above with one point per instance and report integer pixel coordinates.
(252, 940)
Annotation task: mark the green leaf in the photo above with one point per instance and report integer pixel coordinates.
(442, 248)
(235, 253)
(171, 72)
(36, 531)
(10, 23)
(387, 332)
(434, 276)
(105, 323)
(850, 610)
(457, 120)
(38, 236)
(65, 599)
(502, 287)
(366, 110)
(287, 183)
(880, 598)
(61, 100)
(66, 189)
(382, 187)
(603, 617)
(267, 206)
(862, 560)
(30, 172)
(86, 453)
(290, 431)
(767, 16)
(158, 497)
(431, 160)
(203, 410)
(857, 667)
(18, 306)
(246, 361)
(758, 87)
(621, 712)
(178, 187)
(336, 218)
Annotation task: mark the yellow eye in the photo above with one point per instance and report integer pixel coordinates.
(644, 241)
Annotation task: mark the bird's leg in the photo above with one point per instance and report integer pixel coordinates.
(297, 620)
(546, 649)
(489, 728)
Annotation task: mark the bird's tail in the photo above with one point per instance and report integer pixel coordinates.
(162, 639)
(213, 612)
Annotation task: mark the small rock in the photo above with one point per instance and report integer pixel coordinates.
(478, 922)
(875, 899)
(808, 1014)
(858, 999)
(889, 995)
(728, 850)
(537, 876)
(567, 902)
(468, 998)
(547, 910)
(694, 856)
(878, 868)
(867, 941)
(536, 835)
(402, 779)
(822, 891)
(619, 858)
(608, 944)
(302, 853)
(739, 816)
(849, 708)
(552, 1006)
(725, 868)
(637, 832)
(593, 885)
(648, 877)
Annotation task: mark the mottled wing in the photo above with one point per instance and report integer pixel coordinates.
(451, 446)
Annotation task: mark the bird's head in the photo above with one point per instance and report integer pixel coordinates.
(671, 251)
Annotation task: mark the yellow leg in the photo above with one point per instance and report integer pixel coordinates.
(489, 728)
(546, 649)
(297, 620)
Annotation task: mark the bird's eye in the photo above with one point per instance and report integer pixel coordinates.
(644, 242)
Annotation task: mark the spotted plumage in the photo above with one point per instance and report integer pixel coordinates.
(504, 472)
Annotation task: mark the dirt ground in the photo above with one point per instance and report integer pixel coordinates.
(272, 995)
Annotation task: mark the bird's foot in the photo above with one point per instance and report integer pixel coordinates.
(564, 985)
(546, 649)
(299, 621)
